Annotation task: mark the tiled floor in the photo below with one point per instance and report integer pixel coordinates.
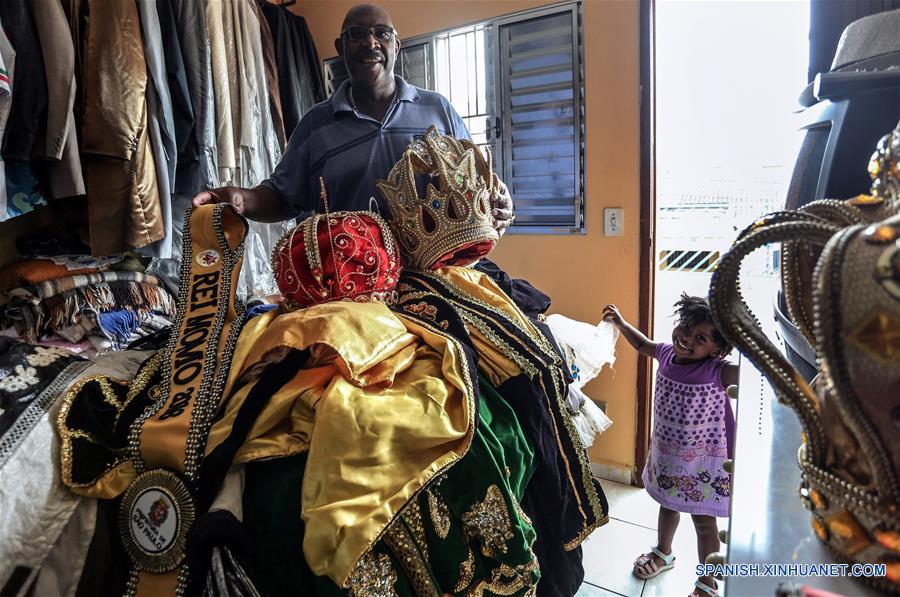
(610, 551)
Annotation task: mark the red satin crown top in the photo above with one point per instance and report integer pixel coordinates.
(340, 256)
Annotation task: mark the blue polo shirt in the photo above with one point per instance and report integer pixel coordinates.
(351, 150)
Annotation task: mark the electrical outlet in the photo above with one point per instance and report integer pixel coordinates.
(612, 221)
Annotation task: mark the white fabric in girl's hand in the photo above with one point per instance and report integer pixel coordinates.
(593, 346)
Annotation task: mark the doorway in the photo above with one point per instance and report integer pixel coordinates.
(721, 82)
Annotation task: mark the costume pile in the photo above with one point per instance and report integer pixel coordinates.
(404, 423)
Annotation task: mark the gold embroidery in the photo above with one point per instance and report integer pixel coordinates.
(146, 372)
(521, 512)
(466, 573)
(427, 311)
(488, 522)
(413, 518)
(585, 533)
(373, 576)
(440, 514)
(400, 541)
(506, 580)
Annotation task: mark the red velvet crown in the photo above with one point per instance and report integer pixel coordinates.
(340, 256)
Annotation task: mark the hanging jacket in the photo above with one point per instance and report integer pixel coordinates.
(162, 129)
(7, 70)
(123, 198)
(29, 102)
(182, 111)
(299, 71)
(221, 75)
(60, 143)
(200, 171)
(268, 47)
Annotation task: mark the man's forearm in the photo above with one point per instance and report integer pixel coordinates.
(264, 204)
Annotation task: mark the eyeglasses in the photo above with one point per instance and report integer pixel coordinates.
(359, 33)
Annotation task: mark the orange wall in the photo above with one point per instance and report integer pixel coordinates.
(580, 273)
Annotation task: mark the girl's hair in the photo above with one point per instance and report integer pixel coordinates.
(691, 310)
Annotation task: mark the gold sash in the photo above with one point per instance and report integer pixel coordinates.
(168, 441)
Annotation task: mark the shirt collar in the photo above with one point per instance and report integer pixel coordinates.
(340, 101)
(405, 91)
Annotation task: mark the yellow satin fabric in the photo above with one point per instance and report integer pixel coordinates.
(112, 484)
(384, 405)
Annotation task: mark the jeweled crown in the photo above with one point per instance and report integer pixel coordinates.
(338, 256)
(847, 304)
(452, 224)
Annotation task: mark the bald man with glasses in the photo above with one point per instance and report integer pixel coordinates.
(354, 137)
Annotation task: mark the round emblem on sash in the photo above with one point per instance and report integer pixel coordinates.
(154, 518)
(207, 258)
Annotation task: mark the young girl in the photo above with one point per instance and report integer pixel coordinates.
(693, 431)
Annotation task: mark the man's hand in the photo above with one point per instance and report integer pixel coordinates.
(501, 206)
(230, 195)
(261, 204)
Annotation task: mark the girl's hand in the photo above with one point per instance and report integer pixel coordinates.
(612, 315)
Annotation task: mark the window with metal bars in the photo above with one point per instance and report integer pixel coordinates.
(517, 82)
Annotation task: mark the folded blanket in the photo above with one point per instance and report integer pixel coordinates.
(29, 272)
(48, 288)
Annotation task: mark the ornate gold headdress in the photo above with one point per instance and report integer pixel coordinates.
(850, 311)
(452, 224)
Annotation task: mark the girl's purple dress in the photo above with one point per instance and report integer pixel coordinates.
(693, 433)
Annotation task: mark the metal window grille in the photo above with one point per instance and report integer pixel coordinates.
(464, 74)
(542, 123)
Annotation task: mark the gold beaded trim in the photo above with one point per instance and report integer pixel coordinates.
(412, 558)
(466, 572)
(66, 434)
(440, 514)
(373, 576)
(506, 580)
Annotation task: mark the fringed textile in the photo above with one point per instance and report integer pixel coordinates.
(68, 308)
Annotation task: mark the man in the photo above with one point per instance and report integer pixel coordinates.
(355, 137)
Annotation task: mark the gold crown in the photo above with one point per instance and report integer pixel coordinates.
(850, 457)
(884, 169)
(452, 224)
